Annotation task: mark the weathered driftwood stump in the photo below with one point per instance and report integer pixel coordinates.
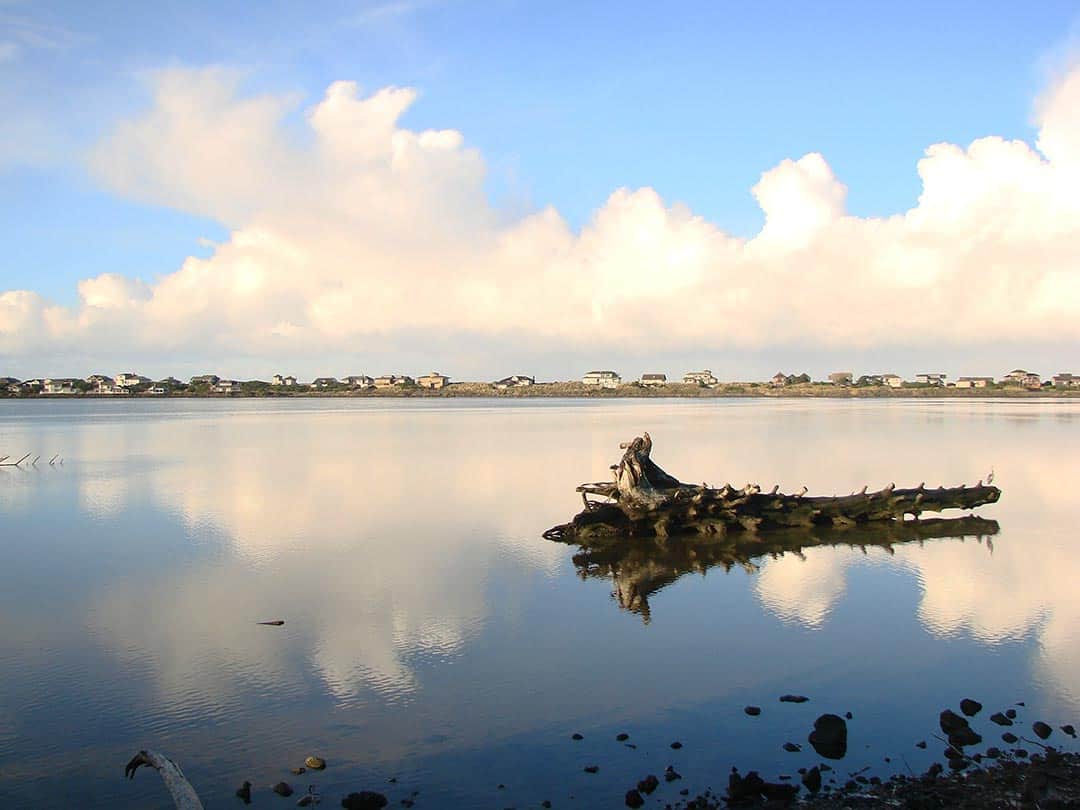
(644, 501)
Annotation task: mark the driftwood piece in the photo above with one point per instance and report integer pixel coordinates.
(183, 794)
(640, 567)
(644, 501)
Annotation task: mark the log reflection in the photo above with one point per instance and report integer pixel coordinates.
(640, 567)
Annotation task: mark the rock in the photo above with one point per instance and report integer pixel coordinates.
(1000, 719)
(592, 769)
(970, 707)
(648, 784)
(576, 736)
(244, 792)
(282, 789)
(1068, 729)
(793, 699)
(1020, 752)
(812, 779)
(1041, 729)
(630, 745)
(634, 799)
(676, 745)
(297, 771)
(622, 737)
(753, 711)
(545, 803)
(993, 752)
(670, 774)
(921, 744)
(684, 792)
(364, 800)
(1009, 737)
(1010, 713)
(848, 715)
(958, 730)
(829, 736)
(744, 788)
(792, 748)
(315, 763)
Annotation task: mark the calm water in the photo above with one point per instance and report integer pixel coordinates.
(433, 636)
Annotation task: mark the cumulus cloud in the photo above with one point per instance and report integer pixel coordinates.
(345, 225)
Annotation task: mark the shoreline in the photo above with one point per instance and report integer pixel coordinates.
(580, 391)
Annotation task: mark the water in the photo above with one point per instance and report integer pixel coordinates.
(433, 636)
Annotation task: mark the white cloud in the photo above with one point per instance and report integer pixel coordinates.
(352, 228)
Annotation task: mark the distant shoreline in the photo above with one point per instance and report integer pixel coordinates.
(563, 390)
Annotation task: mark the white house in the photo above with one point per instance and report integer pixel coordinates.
(704, 377)
(58, 386)
(651, 380)
(227, 387)
(892, 380)
(277, 379)
(515, 381)
(1066, 380)
(974, 382)
(1027, 379)
(841, 378)
(602, 379)
(930, 379)
(359, 381)
(130, 379)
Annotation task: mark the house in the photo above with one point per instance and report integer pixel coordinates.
(974, 382)
(1065, 380)
(870, 379)
(130, 379)
(1025, 379)
(227, 387)
(434, 381)
(892, 380)
(206, 379)
(158, 390)
(170, 382)
(778, 380)
(324, 382)
(514, 381)
(286, 381)
(110, 389)
(700, 378)
(930, 379)
(30, 386)
(58, 386)
(650, 380)
(359, 381)
(391, 380)
(841, 378)
(602, 379)
(98, 380)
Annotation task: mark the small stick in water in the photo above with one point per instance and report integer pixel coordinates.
(273, 623)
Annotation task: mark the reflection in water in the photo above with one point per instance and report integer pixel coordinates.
(640, 567)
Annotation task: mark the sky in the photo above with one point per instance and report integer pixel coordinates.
(487, 188)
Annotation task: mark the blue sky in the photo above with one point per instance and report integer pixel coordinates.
(566, 101)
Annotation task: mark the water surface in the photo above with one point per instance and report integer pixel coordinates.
(433, 636)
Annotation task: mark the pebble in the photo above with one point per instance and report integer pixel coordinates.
(1009, 737)
(1010, 713)
(244, 792)
(1041, 729)
(634, 799)
(1000, 719)
(576, 736)
(315, 763)
(670, 774)
(622, 737)
(970, 707)
(1068, 729)
(592, 768)
(297, 771)
(364, 800)
(676, 745)
(793, 698)
(753, 711)
(792, 748)
(282, 789)
(648, 784)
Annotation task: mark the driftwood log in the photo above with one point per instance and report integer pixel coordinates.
(640, 567)
(645, 501)
(183, 794)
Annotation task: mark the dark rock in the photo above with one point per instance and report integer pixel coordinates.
(244, 792)
(676, 745)
(921, 744)
(792, 748)
(500, 786)
(1020, 752)
(298, 771)
(778, 792)
(1020, 703)
(993, 752)
(958, 730)
(1000, 719)
(970, 707)
(282, 789)
(545, 803)
(622, 737)
(592, 769)
(364, 800)
(630, 745)
(1010, 713)
(648, 784)
(744, 788)
(634, 799)
(793, 699)
(576, 736)
(684, 792)
(753, 711)
(848, 715)
(1009, 737)
(953, 753)
(1068, 729)
(812, 779)
(1041, 729)
(670, 774)
(829, 736)
(934, 770)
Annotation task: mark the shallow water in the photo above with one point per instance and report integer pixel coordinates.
(433, 636)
